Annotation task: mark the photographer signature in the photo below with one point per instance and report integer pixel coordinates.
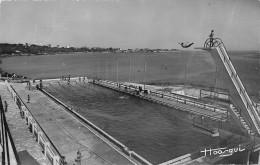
(223, 151)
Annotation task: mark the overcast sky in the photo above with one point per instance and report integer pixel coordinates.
(131, 23)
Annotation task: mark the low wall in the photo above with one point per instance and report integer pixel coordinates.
(178, 160)
(8, 151)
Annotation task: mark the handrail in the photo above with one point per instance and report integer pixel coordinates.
(187, 98)
(239, 86)
(237, 78)
(5, 138)
(233, 74)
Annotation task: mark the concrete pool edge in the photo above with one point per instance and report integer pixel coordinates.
(124, 149)
(31, 117)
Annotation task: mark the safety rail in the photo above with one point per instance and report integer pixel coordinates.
(240, 82)
(49, 149)
(190, 101)
(239, 86)
(9, 154)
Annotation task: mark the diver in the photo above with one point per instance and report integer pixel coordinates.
(186, 45)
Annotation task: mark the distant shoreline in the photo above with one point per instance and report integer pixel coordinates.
(14, 55)
(240, 53)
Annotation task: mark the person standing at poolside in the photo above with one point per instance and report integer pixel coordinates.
(6, 106)
(28, 99)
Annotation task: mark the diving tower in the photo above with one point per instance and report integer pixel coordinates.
(242, 108)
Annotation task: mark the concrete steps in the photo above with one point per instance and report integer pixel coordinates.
(241, 119)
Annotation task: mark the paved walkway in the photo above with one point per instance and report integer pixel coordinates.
(67, 133)
(23, 139)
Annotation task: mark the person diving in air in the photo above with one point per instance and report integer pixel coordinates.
(186, 45)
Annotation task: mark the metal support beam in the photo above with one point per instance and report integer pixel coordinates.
(258, 158)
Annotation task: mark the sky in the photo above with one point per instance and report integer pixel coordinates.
(131, 23)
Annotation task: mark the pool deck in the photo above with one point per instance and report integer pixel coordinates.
(23, 139)
(68, 133)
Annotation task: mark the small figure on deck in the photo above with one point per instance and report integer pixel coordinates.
(6, 106)
(29, 85)
(211, 38)
(28, 99)
(186, 45)
(41, 85)
(68, 80)
(140, 89)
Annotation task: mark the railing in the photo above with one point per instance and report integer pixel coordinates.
(9, 153)
(189, 101)
(180, 98)
(239, 86)
(49, 149)
(177, 97)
